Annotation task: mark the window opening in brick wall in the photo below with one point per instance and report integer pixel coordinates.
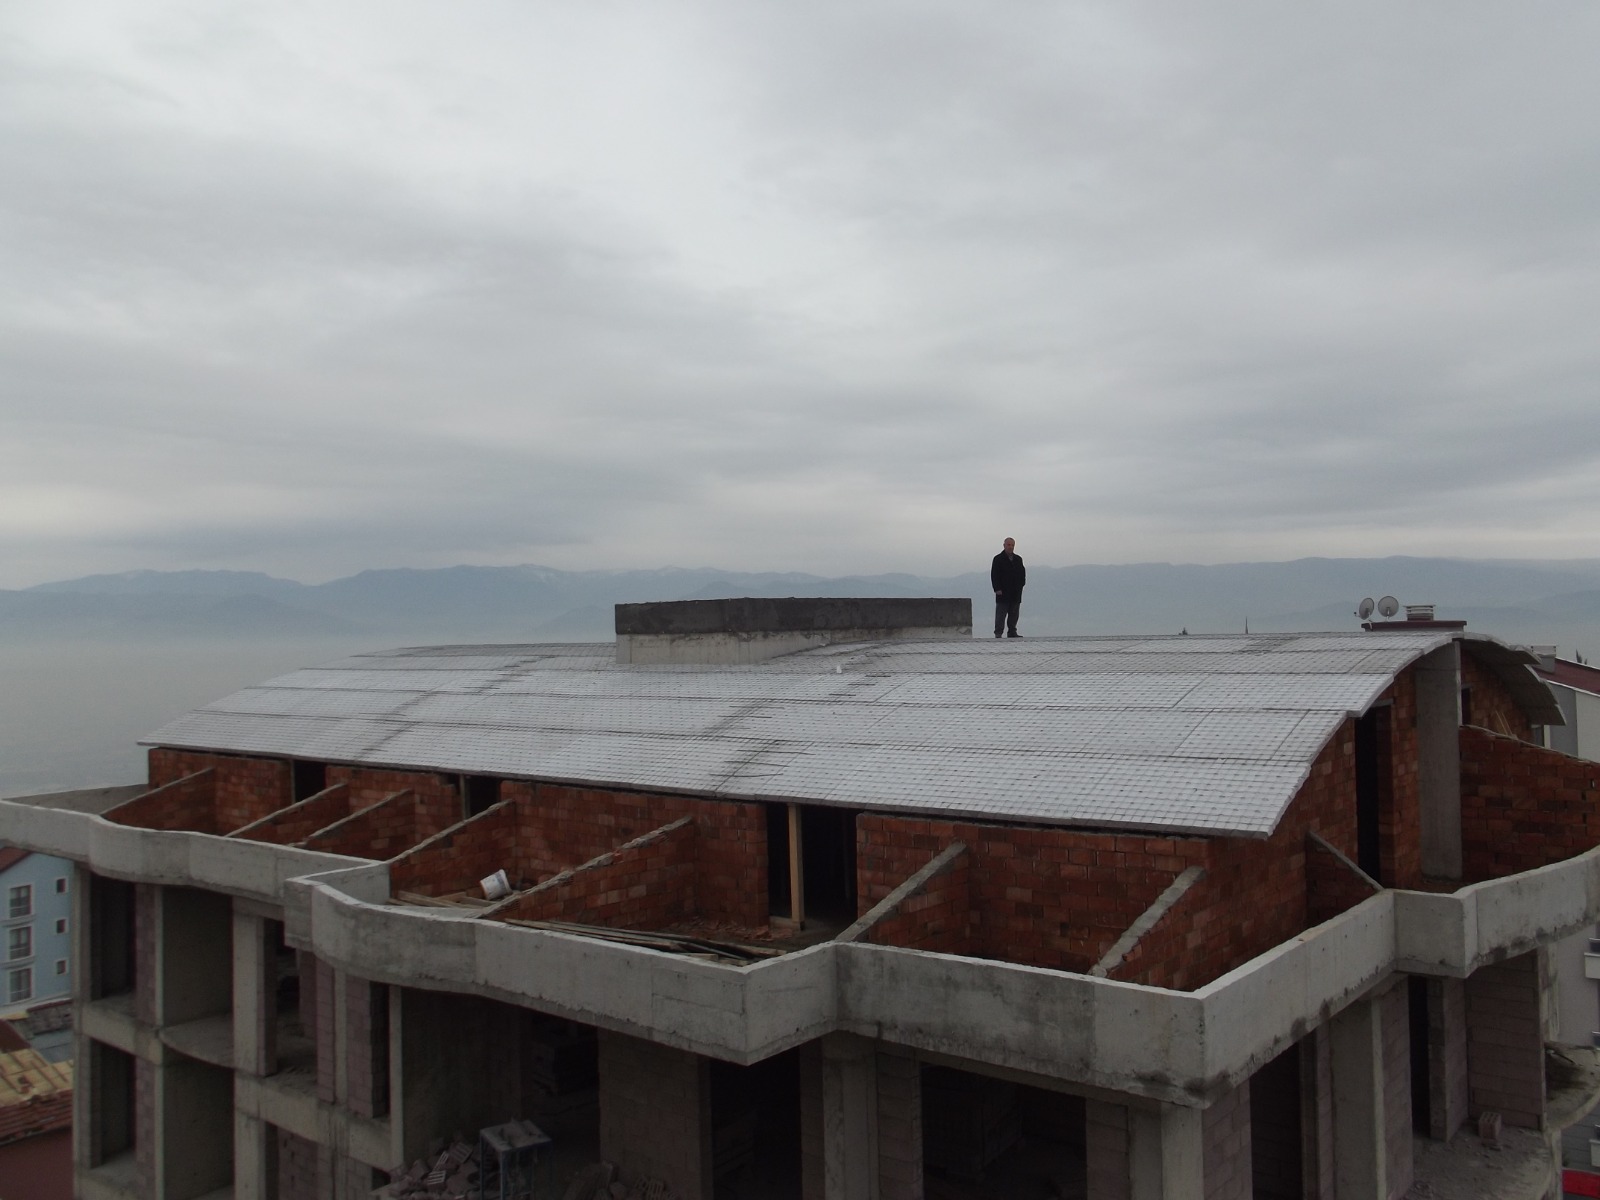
(111, 937)
(1369, 792)
(479, 793)
(19, 901)
(755, 1129)
(309, 778)
(112, 1110)
(1466, 706)
(19, 985)
(1421, 1092)
(1275, 1129)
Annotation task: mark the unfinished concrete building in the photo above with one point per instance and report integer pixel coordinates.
(818, 899)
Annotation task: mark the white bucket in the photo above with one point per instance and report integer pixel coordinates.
(496, 886)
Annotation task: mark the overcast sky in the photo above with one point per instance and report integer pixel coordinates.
(836, 287)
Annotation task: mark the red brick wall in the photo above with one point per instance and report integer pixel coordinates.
(538, 830)
(1523, 806)
(1491, 706)
(649, 883)
(1045, 897)
(247, 789)
(188, 802)
(1400, 790)
(1254, 894)
(368, 785)
(291, 826)
(387, 828)
(1333, 884)
(938, 916)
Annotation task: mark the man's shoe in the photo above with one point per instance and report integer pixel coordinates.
(997, 635)
(1013, 633)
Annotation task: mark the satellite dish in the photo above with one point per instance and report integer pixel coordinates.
(1364, 609)
(1388, 606)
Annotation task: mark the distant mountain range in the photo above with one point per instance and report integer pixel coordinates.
(1526, 601)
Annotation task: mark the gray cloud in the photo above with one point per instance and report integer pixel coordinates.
(833, 288)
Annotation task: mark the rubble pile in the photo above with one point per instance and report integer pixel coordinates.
(451, 1176)
(598, 1181)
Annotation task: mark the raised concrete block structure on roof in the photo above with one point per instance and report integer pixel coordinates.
(752, 629)
(885, 918)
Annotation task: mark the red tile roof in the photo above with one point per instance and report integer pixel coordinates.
(10, 856)
(1574, 675)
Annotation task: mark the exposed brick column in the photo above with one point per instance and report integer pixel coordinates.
(1505, 1042)
(655, 1113)
(899, 1126)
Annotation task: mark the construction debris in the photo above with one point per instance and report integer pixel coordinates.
(453, 1175)
(711, 949)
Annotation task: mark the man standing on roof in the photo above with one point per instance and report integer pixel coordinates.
(1008, 577)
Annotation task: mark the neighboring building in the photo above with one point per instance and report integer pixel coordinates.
(35, 1122)
(820, 899)
(36, 927)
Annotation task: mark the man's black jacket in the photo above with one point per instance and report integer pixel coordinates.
(1008, 576)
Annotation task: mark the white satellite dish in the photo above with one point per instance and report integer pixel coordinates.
(1388, 606)
(1364, 609)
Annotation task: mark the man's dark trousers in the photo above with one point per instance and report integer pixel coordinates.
(1005, 616)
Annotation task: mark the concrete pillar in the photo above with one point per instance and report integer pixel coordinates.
(1361, 1170)
(1447, 1057)
(255, 995)
(1438, 686)
(849, 1118)
(255, 1158)
(1166, 1154)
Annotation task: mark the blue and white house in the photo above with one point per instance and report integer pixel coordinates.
(35, 930)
